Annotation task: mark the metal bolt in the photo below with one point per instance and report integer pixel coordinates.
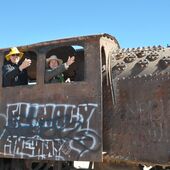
(129, 59)
(120, 66)
(143, 63)
(165, 62)
(152, 57)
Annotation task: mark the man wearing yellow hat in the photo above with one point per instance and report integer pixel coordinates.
(14, 72)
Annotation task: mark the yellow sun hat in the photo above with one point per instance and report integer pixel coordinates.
(14, 50)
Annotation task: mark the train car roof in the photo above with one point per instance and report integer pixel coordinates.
(69, 39)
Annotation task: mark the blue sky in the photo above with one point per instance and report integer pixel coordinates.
(133, 22)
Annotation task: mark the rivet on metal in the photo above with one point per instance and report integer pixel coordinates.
(165, 62)
(129, 59)
(140, 54)
(152, 57)
(143, 63)
(120, 66)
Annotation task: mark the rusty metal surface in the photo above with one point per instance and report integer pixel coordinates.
(110, 164)
(64, 121)
(54, 121)
(136, 127)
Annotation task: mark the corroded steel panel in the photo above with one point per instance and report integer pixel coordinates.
(54, 121)
(136, 127)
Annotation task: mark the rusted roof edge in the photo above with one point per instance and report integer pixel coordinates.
(71, 39)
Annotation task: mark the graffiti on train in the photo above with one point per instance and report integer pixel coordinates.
(56, 131)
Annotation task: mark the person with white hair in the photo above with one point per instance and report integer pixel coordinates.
(56, 67)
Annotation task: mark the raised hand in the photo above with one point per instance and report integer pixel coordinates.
(26, 63)
(70, 60)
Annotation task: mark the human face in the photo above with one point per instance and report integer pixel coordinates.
(15, 58)
(53, 64)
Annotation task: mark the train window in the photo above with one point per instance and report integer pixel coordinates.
(32, 70)
(57, 72)
(11, 74)
(103, 59)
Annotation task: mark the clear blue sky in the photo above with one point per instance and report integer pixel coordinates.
(133, 22)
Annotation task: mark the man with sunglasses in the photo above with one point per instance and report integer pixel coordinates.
(14, 71)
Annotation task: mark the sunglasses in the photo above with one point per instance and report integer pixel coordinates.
(15, 55)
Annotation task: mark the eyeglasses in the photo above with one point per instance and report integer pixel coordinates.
(15, 55)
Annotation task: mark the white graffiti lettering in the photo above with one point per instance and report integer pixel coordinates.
(46, 131)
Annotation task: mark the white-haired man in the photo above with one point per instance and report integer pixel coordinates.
(56, 67)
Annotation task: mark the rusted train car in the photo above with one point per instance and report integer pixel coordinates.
(117, 102)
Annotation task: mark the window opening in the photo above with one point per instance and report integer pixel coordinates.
(19, 68)
(32, 70)
(103, 60)
(57, 68)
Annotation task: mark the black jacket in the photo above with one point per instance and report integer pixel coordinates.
(12, 76)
